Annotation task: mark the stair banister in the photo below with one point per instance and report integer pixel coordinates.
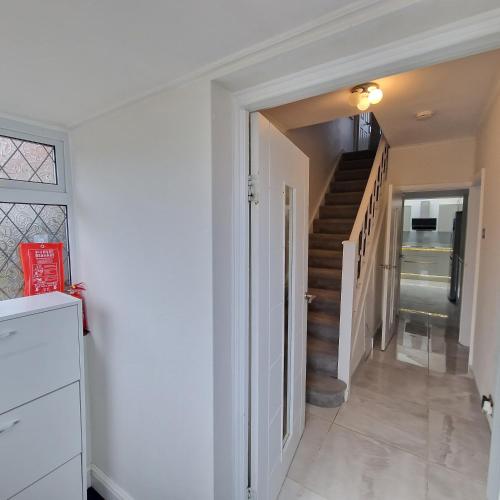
(355, 250)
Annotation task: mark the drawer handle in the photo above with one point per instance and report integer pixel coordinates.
(6, 427)
(6, 335)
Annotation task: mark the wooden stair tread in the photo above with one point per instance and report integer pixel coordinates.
(326, 272)
(322, 346)
(323, 318)
(321, 252)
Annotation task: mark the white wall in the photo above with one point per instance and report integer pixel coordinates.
(488, 300)
(432, 163)
(225, 463)
(323, 144)
(142, 189)
(442, 209)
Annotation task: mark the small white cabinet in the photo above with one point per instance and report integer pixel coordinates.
(42, 399)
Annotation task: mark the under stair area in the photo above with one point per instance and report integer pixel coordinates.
(334, 225)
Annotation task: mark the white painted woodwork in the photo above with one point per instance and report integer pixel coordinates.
(42, 398)
(45, 344)
(359, 293)
(348, 290)
(62, 484)
(276, 163)
(46, 435)
(392, 264)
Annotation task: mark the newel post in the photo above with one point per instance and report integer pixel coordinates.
(348, 288)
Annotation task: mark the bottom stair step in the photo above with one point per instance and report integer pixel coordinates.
(322, 356)
(324, 390)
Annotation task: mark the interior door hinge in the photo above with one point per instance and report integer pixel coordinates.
(253, 196)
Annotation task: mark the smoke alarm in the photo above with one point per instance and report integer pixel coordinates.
(424, 115)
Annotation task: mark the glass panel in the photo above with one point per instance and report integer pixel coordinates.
(289, 199)
(20, 223)
(27, 161)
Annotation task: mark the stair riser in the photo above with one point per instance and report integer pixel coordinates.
(327, 306)
(352, 175)
(327, 363)
(322, 226)
(326, 332)
(358, 155)
(347, 186)
(343, 198)
(324, 282)
(325, 400)
(352, 166)
(326, 262)
(324, 244)
(338, 212)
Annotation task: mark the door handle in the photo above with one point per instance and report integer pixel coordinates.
(6, 427)
(309, 298)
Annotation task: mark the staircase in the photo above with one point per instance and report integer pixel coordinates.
(336, 218)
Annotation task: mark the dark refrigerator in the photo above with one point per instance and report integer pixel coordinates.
(457, 258)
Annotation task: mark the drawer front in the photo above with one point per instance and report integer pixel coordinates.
(64, 483)
(38, 437)
(38, 354)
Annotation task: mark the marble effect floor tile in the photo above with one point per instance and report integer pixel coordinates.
(412, 428)
(313, 437)
(408, 383)
(445, 484)
(292, 490)
(459, 444)
(325, 413)
(354, 467)
(393, 421)
(455, 395)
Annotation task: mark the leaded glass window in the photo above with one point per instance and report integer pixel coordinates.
(26, 222)
(23, 160)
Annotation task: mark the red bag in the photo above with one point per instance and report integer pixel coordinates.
(42, 267)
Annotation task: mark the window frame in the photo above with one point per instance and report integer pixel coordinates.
(39, 193)
(58, 145)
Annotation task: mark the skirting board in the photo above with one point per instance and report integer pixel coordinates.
(315, 213)
(105, 486)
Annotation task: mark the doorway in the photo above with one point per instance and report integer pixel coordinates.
(278, 260)
(432, 264)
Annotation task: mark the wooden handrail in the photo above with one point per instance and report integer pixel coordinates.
(358, 223)
(354, 264)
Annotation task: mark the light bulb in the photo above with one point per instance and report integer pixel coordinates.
(354, 98)
(375, 95)
(363, 101)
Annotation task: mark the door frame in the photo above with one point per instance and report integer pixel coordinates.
(392, 189)
(438, 191)
(450, 43)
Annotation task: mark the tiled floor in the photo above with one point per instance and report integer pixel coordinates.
(410, 430)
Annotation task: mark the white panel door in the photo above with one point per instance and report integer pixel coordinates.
(279, 238)
(392, 265)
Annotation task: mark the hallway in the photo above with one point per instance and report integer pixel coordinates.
(428, 329)
(408, 432)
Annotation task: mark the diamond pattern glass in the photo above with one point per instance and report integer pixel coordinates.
(27, 161)
(24, 223)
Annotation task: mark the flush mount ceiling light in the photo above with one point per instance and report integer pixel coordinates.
(366, 94)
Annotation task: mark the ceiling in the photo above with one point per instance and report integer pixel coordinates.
(457, 92)
(64, 61)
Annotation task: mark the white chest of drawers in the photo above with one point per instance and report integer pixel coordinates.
(42, 399)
